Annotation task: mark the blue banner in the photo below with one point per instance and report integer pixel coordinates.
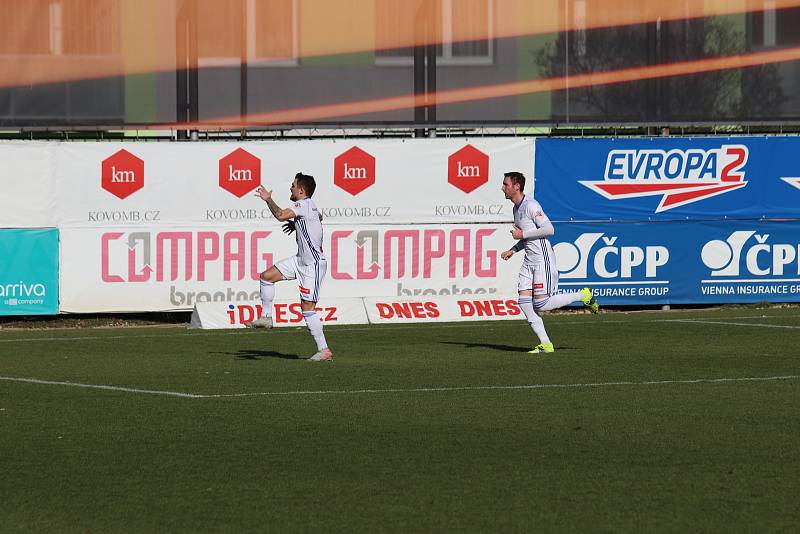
(652, 263)
(29, 272)
(668, 178)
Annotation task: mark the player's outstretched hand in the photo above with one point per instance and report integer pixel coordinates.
(288, 228)
(263, 193)
(507, 254)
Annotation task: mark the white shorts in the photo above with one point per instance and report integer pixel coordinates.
(541, 278)
(308, 276)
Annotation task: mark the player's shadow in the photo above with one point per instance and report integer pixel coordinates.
(494, 346)
(253, 354)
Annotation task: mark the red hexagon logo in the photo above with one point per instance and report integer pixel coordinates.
(122, 174)
(354, 170)
(239, 172)
(468, 169)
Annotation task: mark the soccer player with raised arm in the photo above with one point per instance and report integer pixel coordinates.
(538, 275)
(308, 267)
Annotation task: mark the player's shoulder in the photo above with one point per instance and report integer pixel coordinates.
(310, 204)
(302, 204)
(534, 208)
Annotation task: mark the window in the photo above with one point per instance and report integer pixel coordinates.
(60, 27)
(463, 29)
(268, 29)
(773, 27)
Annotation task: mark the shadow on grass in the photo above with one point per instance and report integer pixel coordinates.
(495, 346)
(252, 354)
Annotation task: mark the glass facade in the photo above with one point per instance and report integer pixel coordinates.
(283, 63)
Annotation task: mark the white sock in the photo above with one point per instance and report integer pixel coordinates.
(267, 291)
(315, 327)
(559, 301)
(526, 304)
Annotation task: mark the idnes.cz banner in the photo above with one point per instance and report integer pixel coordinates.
(432, 309)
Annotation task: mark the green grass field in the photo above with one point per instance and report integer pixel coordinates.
(683, 421)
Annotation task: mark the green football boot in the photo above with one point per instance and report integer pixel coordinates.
(589, 301)
(542, 348)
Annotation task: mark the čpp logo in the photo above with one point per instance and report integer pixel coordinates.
(610, 260)
(679, 176)
(761, 258)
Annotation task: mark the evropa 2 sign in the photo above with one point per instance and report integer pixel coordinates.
(660, 179)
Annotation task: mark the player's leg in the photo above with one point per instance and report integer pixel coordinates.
(525, 288)
(267, 291)
(310, 278)
(552, 300)
(547, 285)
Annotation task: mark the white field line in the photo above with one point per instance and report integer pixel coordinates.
(523, 387)
(728, 323)
(101, 386)
(402, 390)
(344, 328)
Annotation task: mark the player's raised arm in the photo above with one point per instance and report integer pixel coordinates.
(279, 213)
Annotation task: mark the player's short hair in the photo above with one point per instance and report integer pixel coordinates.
(516, 178)
(307, 182)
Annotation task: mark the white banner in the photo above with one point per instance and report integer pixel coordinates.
(26, 185)
(435, 309)
(158, 269)
(217, 315)
(440, 309)
(100, 185)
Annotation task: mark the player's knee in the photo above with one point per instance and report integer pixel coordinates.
(307, 305)
(271, 275)
(540, 303)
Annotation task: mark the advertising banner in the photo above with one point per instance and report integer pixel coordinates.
(160, 269)
(430, 309)
(439, 309)
(27, 199)
(102, 185)
(29, 272)
(220, 315)
(626, 264)
(668, 178)
(681, 262)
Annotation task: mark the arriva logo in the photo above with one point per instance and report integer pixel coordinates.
(678, 176)
(608, 261)
(21, 293)
(760, 257)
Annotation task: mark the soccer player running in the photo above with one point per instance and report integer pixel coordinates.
(538, 275)
(308, 267)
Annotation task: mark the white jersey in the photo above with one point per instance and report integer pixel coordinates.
(528, 215)
(308, 232)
